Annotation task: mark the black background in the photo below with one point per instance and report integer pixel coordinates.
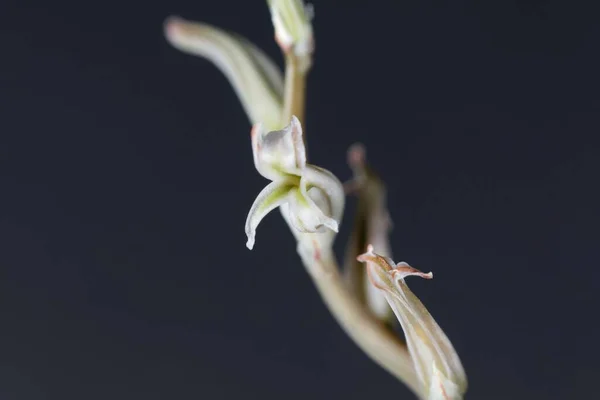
(126, 176)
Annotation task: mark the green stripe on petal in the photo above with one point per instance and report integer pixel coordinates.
(271, 197)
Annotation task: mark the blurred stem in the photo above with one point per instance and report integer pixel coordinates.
(294, 100)
(377, 341)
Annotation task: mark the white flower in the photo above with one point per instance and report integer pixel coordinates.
(312, 198)
(436, 363)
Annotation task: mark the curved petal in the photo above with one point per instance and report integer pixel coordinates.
(318, 203)
(256, 79)
(279, 153)
(306, 216)
(271, 197)
(314, 176)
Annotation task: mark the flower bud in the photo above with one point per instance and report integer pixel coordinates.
(293, 30)
(437, 365)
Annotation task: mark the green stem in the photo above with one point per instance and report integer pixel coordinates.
(294, 100)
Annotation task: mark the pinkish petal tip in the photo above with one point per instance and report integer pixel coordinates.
(357, 155)
(404, 270)
(172, 26)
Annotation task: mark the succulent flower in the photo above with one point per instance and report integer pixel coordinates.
(436, 363)
(312, 197)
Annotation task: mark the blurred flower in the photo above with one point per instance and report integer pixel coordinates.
(256, 79)
(436, 363)
(371, 224)
(293, 30)
(312, 198)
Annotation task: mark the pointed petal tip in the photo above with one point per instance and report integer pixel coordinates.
(332, 224)
(256, 129)
(272, 196)
(366, 256)
(250, 242)
(403, 270)
(295, 121)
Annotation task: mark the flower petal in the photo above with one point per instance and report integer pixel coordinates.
(271, 197)
(442, 388)
(279, 153)
(257, 81)
(436, 362)
(313, 176)
(306, 216)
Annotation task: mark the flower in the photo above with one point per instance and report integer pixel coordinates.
(436, 363)
(311, 198)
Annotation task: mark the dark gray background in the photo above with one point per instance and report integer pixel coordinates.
(126, 176)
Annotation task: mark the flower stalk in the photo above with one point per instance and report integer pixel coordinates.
(294, 35)
(294, 99)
